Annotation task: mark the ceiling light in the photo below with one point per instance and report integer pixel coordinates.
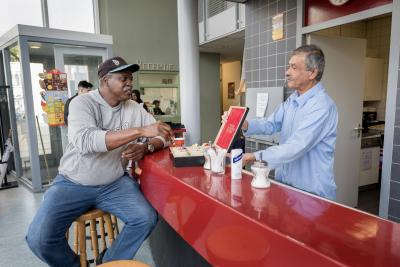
(35, 46)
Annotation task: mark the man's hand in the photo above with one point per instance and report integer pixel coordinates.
(248, 158)
(158, 129)
(134, 152)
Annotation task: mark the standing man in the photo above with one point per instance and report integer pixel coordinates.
(83, 88)
(104, 126)
(307, 122)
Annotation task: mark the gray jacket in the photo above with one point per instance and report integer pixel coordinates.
(86, 160)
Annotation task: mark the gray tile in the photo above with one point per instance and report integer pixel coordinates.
(256, 84)
(398, 98)
(281, 46)
(264, 50)
(272, 61)
(269, 36)
(249, 76)
(395, 173)
(291, 4)
(280, 73)
(394, 208)
(263, 84)
(291, 16)
(272, 74)
(272, 9)
(263, 38)
(291, 44)
(280, 82)
(263, 74)
(396, 154)
(398, 79)
(263, 63)
(395, 190)
(280, 60)
(256, 75)
(281, 6)
(291, 30)
(397, 115)
(272, 48)
(256, 50)
(271, 83)
(396, 138)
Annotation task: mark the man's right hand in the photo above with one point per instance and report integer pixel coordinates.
(158, 129)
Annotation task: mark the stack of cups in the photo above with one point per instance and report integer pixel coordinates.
(236, 163)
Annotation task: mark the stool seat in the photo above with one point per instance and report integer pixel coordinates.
(124, 263)
(90, 215)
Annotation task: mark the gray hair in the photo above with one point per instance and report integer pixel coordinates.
(314, 58)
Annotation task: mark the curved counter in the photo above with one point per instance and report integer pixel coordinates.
(229, 223)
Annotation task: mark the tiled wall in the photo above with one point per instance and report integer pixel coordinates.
(394, 199)
(265, 59)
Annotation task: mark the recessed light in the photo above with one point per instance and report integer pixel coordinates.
(35, 46)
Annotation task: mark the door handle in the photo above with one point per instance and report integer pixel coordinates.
(359, 129)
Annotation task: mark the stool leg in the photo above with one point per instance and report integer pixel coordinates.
(102, 232)
(82, 243)
(93, 234)
(76, 241)
(110, 231)
(114, 221)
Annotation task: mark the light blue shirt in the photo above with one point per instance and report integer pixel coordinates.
(304, 157)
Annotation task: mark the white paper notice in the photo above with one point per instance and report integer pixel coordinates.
(262, 103)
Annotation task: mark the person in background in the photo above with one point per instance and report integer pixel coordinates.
(157, 110)
(307, 122)
(83, 88)
(136, 97)
(104, 127)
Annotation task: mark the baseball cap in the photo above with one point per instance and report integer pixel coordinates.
(116, 64)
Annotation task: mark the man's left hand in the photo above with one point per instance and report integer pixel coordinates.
(134, 152)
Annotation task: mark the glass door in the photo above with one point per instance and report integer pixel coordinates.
(79, 63)
(5, 126)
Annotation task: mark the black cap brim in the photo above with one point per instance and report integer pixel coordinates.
(130, 67)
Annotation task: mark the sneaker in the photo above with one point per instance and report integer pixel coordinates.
(99, 258)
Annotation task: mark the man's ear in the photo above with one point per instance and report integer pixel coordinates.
(313, 74)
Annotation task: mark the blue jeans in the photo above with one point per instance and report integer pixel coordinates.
(65, 201)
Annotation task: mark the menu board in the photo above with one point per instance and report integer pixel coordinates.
(54, 96)
(228, 131)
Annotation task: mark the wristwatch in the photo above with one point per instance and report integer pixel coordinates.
(150, 147)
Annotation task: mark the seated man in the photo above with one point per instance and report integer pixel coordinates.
(103, 127)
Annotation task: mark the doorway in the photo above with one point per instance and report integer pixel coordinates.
(376, 34)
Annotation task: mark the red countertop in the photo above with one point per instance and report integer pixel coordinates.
(232, 224)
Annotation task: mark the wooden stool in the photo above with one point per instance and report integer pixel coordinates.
(124, 263)
(80, 233)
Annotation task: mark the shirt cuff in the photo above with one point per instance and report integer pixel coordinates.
(100, 138)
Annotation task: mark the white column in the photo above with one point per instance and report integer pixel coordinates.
(188, 38)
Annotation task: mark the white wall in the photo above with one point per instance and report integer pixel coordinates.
(142, 30)
(230, 73)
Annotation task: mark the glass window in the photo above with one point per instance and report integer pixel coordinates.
(19, 12)
(73, 15)
(20, 114)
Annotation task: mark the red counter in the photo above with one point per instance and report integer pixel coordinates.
(229, 223)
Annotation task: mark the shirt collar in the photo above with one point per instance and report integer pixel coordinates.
(302, 99)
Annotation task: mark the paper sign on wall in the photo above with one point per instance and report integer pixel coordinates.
(277, 27)
(262, 103)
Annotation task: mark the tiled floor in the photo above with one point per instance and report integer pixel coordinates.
(17, 208)
(368, 200)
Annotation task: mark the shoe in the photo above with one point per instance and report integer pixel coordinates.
(99, 258)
